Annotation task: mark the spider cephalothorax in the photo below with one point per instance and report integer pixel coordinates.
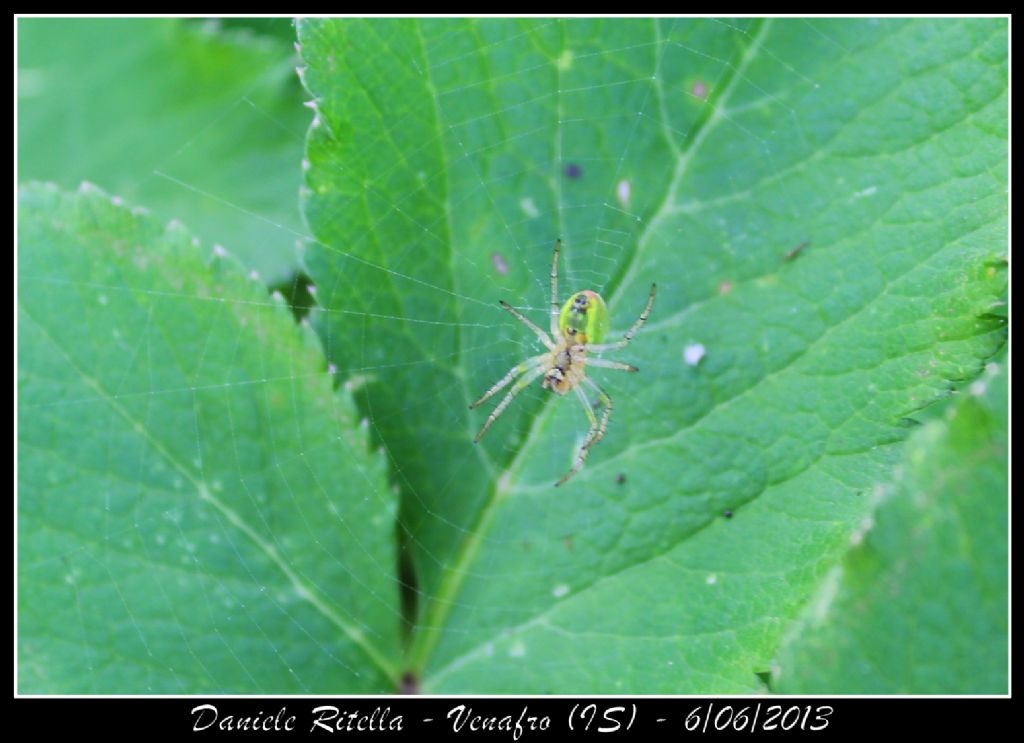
(565, 367)
(576, 330)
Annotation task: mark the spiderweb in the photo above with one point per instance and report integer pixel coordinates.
(635, 104)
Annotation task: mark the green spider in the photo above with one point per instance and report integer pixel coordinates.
(577, 329)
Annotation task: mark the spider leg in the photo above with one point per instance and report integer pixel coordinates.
(602, 347)
(550, 344)
(523, 382)
(597, 430)
(606, 364)
(589, 410)
(554, 290)
(514, 372)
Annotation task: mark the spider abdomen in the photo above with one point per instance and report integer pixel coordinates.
(584, 318)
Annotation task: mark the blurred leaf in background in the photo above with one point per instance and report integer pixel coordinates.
(197, 120)
(198, 510)
(921, 606)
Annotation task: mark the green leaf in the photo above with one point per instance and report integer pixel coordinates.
(198, 511)
(202, 125)
(921, 605)
(823, 206)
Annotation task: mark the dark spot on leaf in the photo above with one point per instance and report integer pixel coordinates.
(572, 170)
(727, 514)
(567, 541)
(794, 252)
(620, 478)
(410, 684)
(297, 291)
